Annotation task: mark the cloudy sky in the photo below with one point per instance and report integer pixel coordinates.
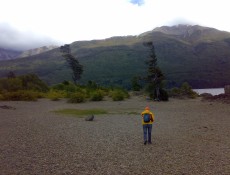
(26, 24)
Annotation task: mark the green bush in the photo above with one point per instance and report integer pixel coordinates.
(126, 94)
(96, 96)
(21, 96)
(174, 91)
(117, 95)
(92, 85)
(77, 98)
(56, 95)
(69, 89)
(32, 82)
(184, 91)
(24, 82)
(65, 86)
(11, 84)
(193, 94)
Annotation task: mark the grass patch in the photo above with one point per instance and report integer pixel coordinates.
(81, 112)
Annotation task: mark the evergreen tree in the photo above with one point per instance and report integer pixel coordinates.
(154, 75)
(76, 67)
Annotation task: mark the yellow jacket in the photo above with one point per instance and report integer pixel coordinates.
(148, 112)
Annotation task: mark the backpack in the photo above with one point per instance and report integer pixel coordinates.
(147, 118)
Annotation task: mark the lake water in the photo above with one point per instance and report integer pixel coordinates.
(213, 91)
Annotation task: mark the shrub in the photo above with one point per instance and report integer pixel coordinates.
(92, 85)
(96, 96)
(32, 82)
(66, 82)
(118, 95)
(21, 96)
(65, 86)
(77, 98)
(24, 82)
(12, 84)
(174, 92)
(55, 95)
(184, 91)
(126, 93)
(192, 94)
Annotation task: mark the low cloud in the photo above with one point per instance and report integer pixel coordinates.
(138, 2)
(13, 39)
(177, 21)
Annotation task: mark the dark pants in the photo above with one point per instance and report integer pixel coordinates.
(147, 128)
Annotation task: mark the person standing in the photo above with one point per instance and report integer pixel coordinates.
(147, 121)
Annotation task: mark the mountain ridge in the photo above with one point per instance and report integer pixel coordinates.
(36, 51)
(8, 54)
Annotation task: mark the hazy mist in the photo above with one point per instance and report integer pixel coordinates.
(13, 39)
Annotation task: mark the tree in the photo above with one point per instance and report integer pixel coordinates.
(76, 67)
(154, 75)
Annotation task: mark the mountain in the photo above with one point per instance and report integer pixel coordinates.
(36, 51)
(6, 54)
(194, 54)
(12, 54)
(193, 34)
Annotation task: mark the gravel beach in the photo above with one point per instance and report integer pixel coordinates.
(190, 137)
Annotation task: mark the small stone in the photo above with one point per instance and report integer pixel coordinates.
(89, 118)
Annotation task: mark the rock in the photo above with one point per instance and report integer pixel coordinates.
(227, 89)
(89, 118)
